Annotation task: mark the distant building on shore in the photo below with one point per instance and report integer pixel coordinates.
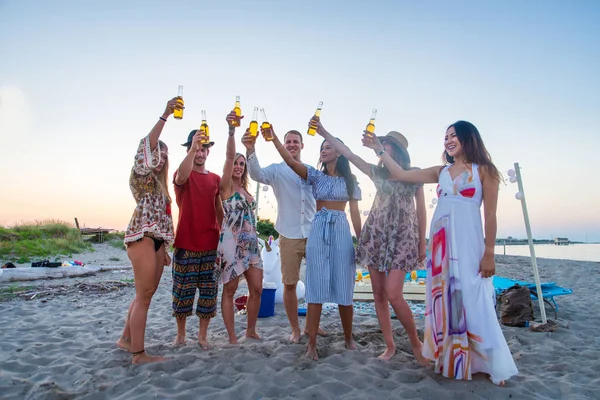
(561, 241)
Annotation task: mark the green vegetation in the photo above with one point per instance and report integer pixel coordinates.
(115, 239)
(11, 292)
(266, 228)
(40, 239)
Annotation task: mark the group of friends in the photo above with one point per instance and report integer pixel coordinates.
(216, 240)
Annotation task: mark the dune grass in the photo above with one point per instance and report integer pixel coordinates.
(115, 239)
(40, 239)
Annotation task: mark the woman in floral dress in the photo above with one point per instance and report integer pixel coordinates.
(392, 241)
(149, 233)
(238, 252)
(462, 333)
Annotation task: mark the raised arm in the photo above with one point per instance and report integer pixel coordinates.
(226, 181)
(186, 166)
(296, 166)
(266, 175)
(490, 186)
(427, 175)
(421, 221)
(340, 147)
(160, 124)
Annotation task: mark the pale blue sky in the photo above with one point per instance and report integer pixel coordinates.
(82, 82)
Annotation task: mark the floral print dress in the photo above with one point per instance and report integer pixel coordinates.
(152, 214)
(238, 243)
(390, 237)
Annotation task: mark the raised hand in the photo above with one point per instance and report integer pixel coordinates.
(315, 123)
(233, 120)
(248, 140)
(371, 141)
(171, 106)
(198, 139)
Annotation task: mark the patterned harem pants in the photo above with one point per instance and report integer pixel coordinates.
(194, 270)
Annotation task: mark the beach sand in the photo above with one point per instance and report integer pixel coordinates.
(63, 347)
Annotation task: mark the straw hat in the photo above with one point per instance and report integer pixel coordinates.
(399, 140)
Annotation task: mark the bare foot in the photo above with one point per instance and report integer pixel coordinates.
(320, 332)
(179, 340)
(295, 336)
(418, 352)
(499, 383)
(233, 340)
(145, 358)
(124, 344)
(203, 342)
(311, 352)
(350, 345)
(253, 335)
(388, 353)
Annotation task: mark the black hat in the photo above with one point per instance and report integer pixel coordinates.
(191, 136)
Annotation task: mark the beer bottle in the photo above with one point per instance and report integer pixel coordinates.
(266, 126)
(254, 123)
(371, 124)
(178, 112)
(312, 131)
(238, 112)
(204, 127)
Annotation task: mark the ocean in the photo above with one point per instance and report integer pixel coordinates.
(578, 252)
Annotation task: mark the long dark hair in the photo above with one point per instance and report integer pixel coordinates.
(472, 147)
(342, 167)
(400, 156)
(244, 178)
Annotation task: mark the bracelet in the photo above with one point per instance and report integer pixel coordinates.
(278, 147)
(380, 153)
(162, 119)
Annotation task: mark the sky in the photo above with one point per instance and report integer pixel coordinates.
(82, 82)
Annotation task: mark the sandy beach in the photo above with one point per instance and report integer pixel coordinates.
(61, 346)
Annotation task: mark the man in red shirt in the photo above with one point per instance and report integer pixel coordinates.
(196, 239)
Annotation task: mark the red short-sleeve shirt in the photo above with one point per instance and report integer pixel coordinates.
(197, 229)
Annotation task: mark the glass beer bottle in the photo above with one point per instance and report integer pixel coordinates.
(178, 112)
(371, 125)
(312, 131)
(204, 128)
(254, 124)
(266, 126)
(238, 112)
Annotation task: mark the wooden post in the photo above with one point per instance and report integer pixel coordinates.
(76, 223)
(504, 246)
(531, 248)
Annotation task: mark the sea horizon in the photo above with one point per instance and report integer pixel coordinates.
(576, 252)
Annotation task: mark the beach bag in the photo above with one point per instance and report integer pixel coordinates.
(46, 264)
(516, 308)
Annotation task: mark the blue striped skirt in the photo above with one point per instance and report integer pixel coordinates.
(330, 266)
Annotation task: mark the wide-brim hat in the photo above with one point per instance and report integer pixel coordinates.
(398, 139)
(191, 136)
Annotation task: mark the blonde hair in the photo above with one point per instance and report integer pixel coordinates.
(163, 175)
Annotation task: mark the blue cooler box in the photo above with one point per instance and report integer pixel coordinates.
(267, 301)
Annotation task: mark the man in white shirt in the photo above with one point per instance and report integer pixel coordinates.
(296, 208)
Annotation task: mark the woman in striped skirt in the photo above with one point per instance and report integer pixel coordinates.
(330, 267)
